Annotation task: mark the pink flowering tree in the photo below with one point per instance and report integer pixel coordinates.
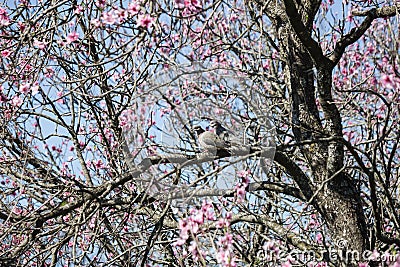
(101, 165)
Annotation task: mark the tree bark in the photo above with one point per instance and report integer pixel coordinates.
(308, 76)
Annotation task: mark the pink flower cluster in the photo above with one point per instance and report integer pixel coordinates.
(39, 44)
(115, 16)
(191, 225)
(28, 87)
(4, 19)
(187, 3)
(72, 37)
(78, 10)
(127, 119)
(3, 98)
(225, 254)
(6, 53)
(241, 187)
(24, 88)
(119, 15)
(145, 21)
(397, 263)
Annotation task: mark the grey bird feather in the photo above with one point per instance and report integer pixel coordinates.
(221, 131)
(208, 140)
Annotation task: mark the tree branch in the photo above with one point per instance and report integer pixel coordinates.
(298, 175)
(382, 12)
(303, 34)
(357, 32)
(276, 227)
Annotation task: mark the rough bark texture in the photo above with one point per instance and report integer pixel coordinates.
(308, 74)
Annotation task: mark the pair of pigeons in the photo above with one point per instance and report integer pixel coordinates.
(212, 140)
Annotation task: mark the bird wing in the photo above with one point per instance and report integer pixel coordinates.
(211, 140)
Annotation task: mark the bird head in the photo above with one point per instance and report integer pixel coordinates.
(215, 124)
(198, 129)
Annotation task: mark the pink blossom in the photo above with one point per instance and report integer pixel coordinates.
(241, 192)
(21, 26)
(3, 98)
(195, 3)
(24, 88)
(223, 222)
(198, 217)
(101, 3)
(5, 53)
(123, 122)
(183, 236)
(287, 264)
(387, 81)
(145, 21)
(193, 249)
(194, 226)
(61, 42)
(49, 72)
(319, 238)
(4, 19)
(28, 68)
(187, 3)
(60, 95)
(39, 44)
(363, 264)
(72, 37)
(397, 263)
(179, 242)
(108, 18)
(121, 15)
(243, 173)
(233, 17)
(16, 101)
(96, 22)
(226, 240)
(180, 3)
(224, 255)
(17, 210)
(208, 210)
(133, 8)
(78, 10)
(99, 164)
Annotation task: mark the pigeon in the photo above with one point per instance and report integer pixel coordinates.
(221, 132)
(208, 140)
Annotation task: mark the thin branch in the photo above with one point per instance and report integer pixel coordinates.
(275, 227)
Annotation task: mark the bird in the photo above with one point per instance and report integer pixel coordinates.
(208, 140)
(221, 132)
(232, 144)
(198, 129)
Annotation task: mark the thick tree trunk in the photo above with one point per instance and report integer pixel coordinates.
(335, 194)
